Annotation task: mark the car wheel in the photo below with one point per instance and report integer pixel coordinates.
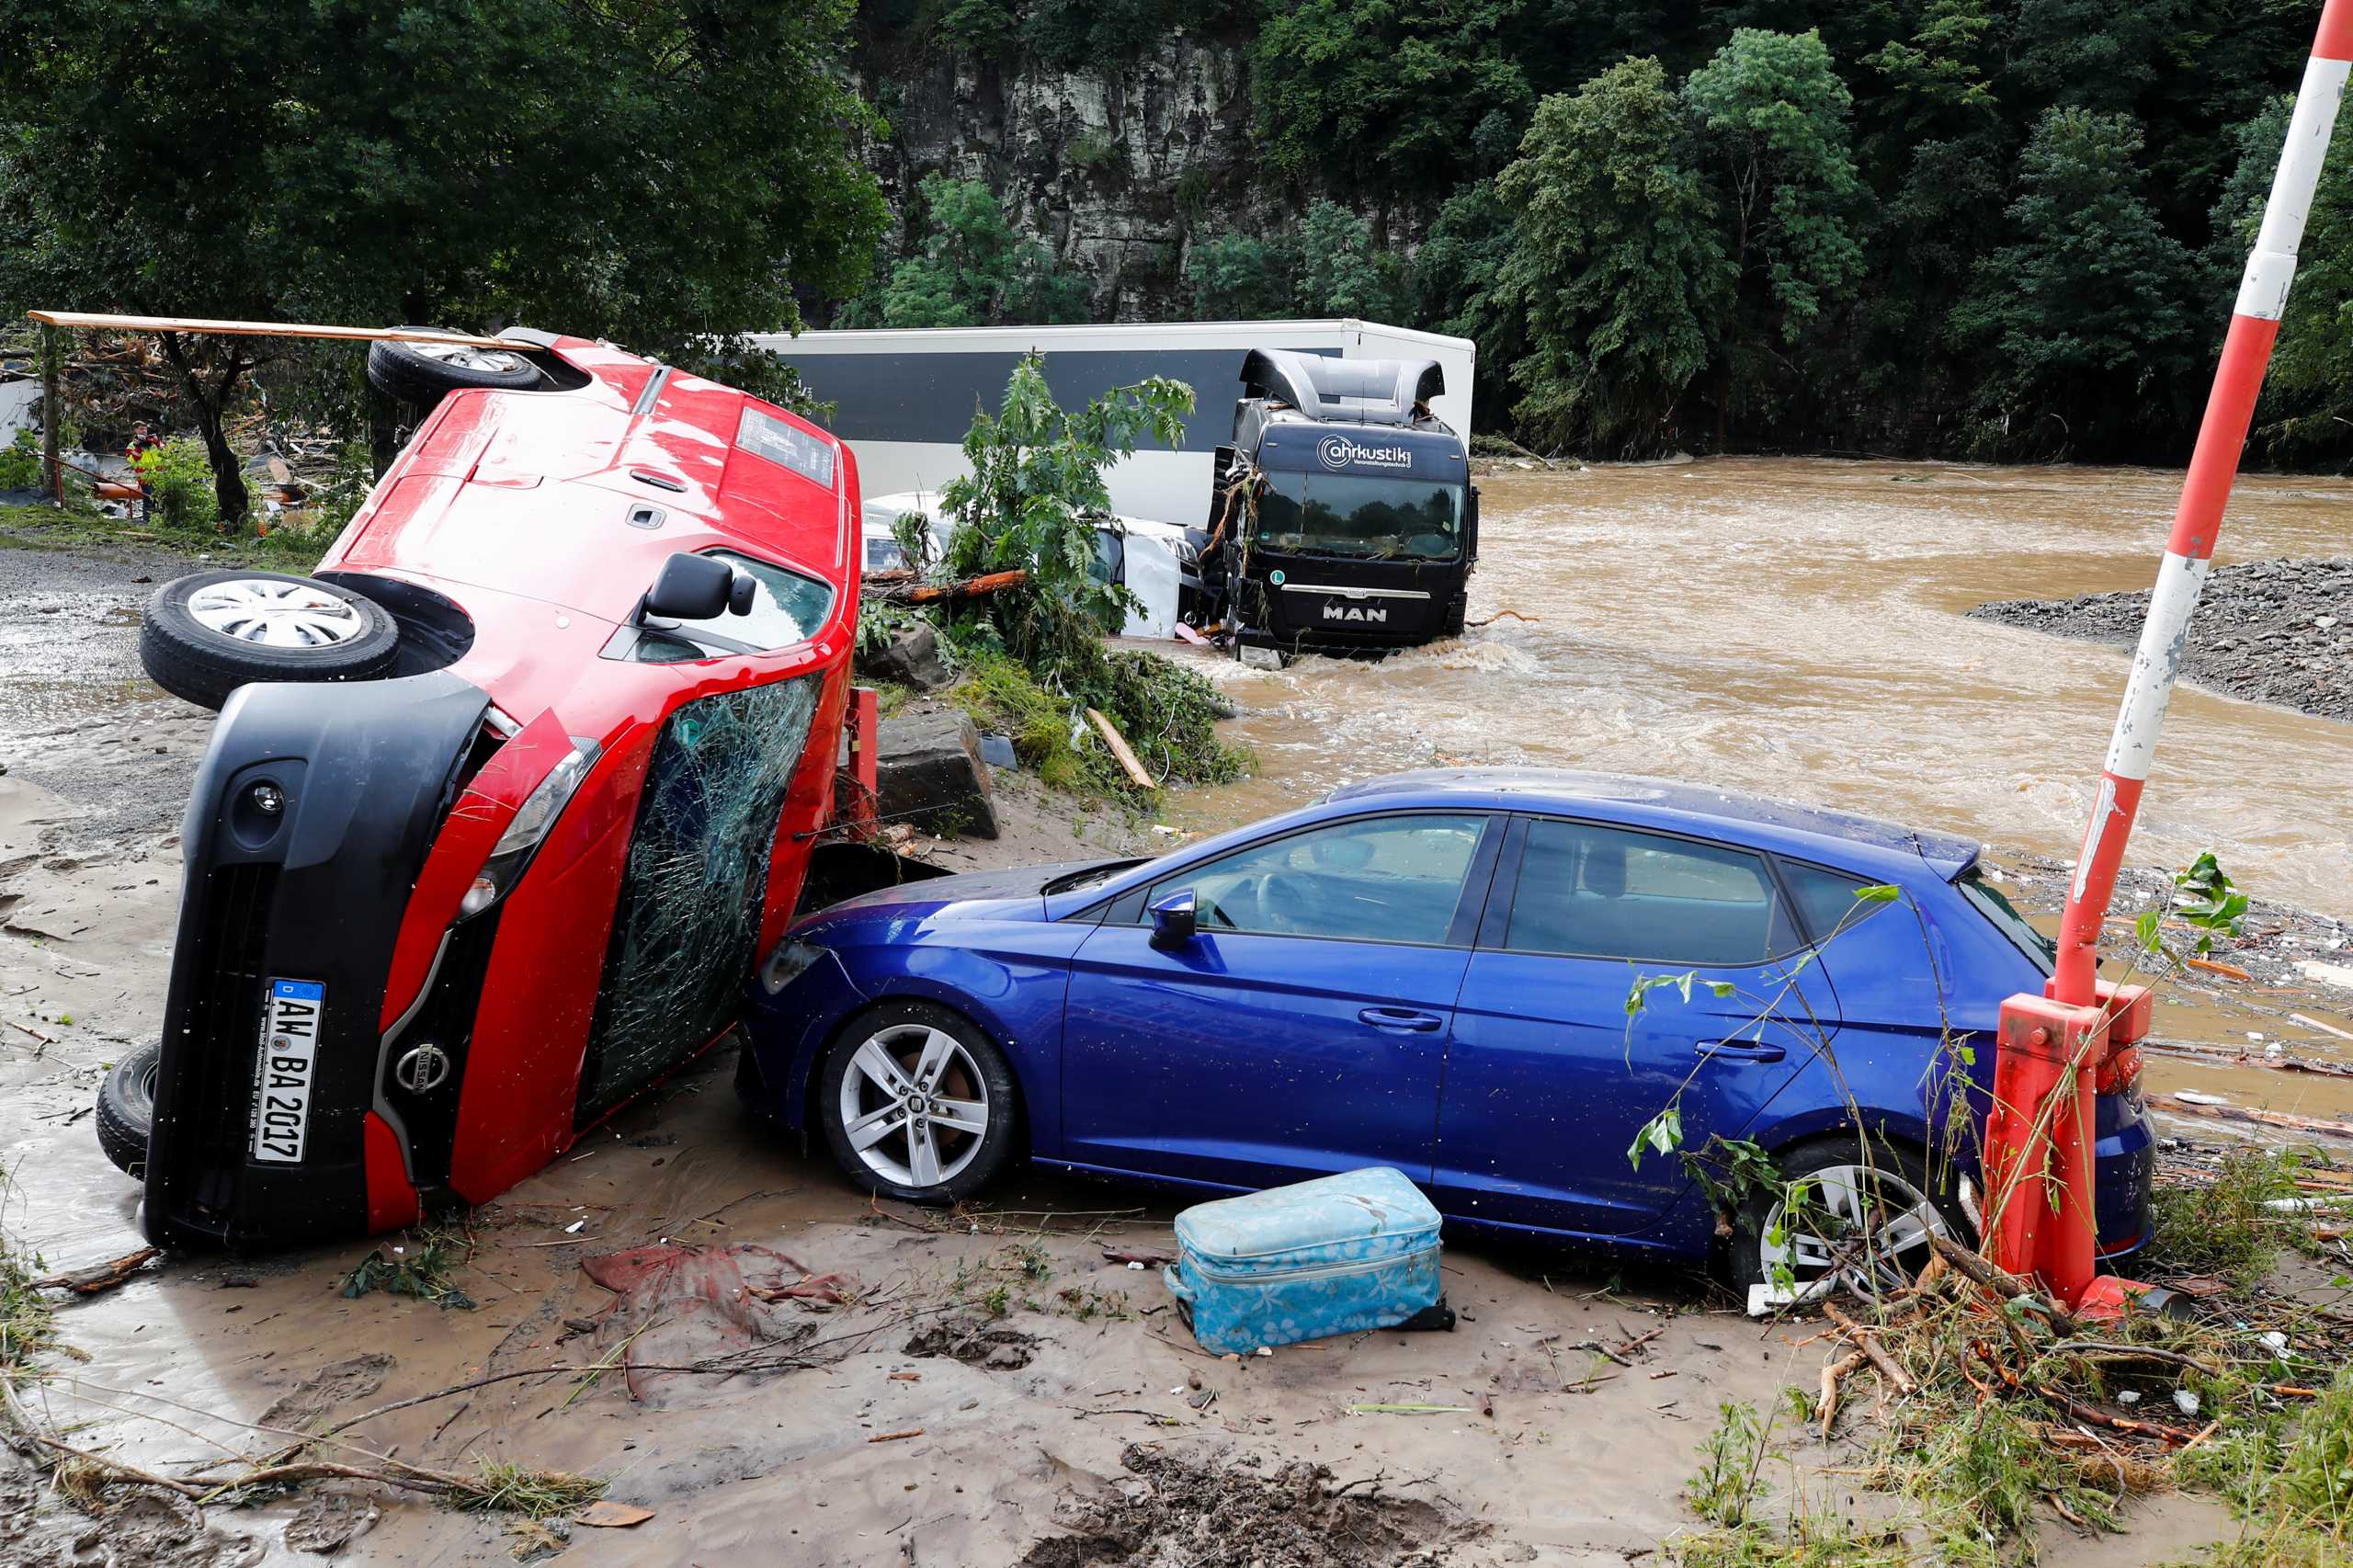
(919, 1104)
(207, 635)
(421, 374)
(127, 1108)
(1867, 1219)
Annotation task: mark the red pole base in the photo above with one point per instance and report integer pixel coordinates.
(858, 814)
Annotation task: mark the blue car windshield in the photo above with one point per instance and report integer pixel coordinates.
(1364, 516)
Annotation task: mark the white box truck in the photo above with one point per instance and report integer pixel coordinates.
(903, 399)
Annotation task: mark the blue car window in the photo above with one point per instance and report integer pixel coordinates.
(1390, 879)
(1825, 899)
(1596, 891)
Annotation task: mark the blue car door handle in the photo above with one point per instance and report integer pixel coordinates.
(1400, 1018)
(1739, 1050)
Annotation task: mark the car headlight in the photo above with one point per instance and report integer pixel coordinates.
(536, 815)
(791, 960)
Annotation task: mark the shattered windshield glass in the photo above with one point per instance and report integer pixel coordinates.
(1362, 515)
(691, 899)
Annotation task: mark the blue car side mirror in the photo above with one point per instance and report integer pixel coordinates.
(1173, 920)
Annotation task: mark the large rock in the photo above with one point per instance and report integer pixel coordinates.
(911, 658)
(929, 772)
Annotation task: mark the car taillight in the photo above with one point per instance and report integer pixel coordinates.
(2120, 1074)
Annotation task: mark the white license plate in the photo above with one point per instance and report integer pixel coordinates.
(290, 1044)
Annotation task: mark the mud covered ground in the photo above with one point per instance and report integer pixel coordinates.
(2278, 631)
(982, 1389)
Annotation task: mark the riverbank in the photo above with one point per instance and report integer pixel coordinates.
(2277, 631)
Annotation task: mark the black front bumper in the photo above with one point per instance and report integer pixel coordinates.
(314, 891)
(1304, 603)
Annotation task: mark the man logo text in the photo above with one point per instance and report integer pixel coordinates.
(1356, 612)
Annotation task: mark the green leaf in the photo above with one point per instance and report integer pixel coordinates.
(1879, 893)
(1663, 1134)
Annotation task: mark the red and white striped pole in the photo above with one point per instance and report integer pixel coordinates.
(2039, 1136)
(2246, 352)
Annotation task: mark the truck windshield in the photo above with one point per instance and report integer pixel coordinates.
(1361, 516)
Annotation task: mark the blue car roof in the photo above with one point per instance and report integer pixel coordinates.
(1777, 823)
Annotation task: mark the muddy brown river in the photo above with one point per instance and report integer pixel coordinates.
(1794, 628)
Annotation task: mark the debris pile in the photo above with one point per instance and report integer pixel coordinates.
(1170, 1510)
(2278, 631)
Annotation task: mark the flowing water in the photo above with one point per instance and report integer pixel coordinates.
(1794, 628)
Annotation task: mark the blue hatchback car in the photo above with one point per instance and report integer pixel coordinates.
(1433, 971)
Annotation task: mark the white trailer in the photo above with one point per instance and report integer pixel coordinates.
(904, 398)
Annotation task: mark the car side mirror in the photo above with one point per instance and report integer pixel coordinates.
(692, 587)
(1471, 523)
(1173, 921)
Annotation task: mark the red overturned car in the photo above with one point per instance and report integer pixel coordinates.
(505, 802)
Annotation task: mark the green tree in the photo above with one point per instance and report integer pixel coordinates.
(1773, 113)
(1029, 502)
(972, 270)
(1237, 277)
(1394, 92)
(2083, 321)
(2308, 396)
(1617, 269)
(1455, 277)
(668, 175)
(1341, 272)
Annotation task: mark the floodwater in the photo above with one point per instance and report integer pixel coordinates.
(1793, 627)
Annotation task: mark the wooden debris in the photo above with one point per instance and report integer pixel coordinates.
(267, 329)
(1120, 750)
(2175, 1105)
(895, 1437)
(1828, 1406)
(607, 1515)
(2215, 966)
(105, 1276)
(1889, 1367)
(970, 589)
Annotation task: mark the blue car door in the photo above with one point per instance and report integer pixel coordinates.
(1553, 1073)
(1303, 1029)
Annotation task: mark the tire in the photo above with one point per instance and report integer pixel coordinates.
(422, 374)
(972, 1072)
(127, 1108)
(1836, 1166)
(199, 640)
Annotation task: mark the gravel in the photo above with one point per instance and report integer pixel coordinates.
(2275, 632)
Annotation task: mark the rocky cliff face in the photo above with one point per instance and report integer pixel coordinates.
(1117, 169)
(1114, 170)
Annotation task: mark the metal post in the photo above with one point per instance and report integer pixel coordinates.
(2050, 1047)
(52, 415)
(2190, 552)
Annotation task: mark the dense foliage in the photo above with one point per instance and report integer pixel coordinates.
(2009, 228)
(665, 174)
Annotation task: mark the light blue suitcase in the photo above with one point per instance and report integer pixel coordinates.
(1335, 1255)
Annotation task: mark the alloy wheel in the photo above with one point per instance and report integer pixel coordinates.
(913, 1105)
(1868, 1224)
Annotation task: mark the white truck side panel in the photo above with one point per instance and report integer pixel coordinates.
(906, 397)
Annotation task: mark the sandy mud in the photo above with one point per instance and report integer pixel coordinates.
(892, 1386)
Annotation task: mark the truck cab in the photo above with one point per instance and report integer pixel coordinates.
(1342, 517)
